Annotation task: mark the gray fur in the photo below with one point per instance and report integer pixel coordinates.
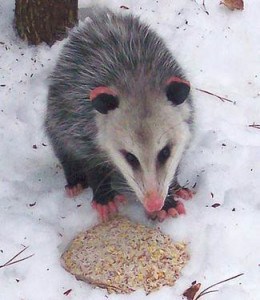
(119, 52)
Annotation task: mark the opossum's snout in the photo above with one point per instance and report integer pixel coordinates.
(153, 201)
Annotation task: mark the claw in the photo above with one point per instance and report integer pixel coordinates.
(184, 193)
(112, 207)
(180, 208)
(173, 212)
(102, 210)
(152, 216)
(161, 215)
(94, 204)
(104, 213)
(74, 190)
(120, 199)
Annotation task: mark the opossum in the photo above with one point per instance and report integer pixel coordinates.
(119, 106)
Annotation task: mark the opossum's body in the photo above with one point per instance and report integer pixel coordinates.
(112, 108)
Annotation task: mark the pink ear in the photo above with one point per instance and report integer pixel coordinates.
(103, 99)
(101, 90)
(177, 90)
(174, 79)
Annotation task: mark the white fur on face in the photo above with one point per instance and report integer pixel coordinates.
(144, 129)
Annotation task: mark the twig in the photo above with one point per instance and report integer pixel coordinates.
(206, 291)
(204, 6)
(257, 126)
(13, 261)
(223, 99)
(124, 7)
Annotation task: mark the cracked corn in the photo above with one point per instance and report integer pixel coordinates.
(122, 256)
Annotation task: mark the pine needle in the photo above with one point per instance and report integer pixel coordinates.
(206, 291)
(13, 261)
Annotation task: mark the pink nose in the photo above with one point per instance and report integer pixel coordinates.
(153, 202)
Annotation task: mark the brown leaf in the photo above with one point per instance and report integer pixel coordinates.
(192, 291)
(67, 292)
(233, 4)
(215, 205)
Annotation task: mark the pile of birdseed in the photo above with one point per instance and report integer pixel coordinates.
(123, 256)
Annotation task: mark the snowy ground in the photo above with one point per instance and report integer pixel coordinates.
(221, 53)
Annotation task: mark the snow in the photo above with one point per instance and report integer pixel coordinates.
(220, 53)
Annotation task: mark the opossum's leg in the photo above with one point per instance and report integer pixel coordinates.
(75, 174)
(105, 198)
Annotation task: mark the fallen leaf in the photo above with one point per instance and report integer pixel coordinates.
(67, 292)
(192, 291)
(215, 205)
(233, 4)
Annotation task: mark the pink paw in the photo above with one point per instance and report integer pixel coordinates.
(172, 212)
(73, 191)
(173, 208)
(183, 193)
(107, 211)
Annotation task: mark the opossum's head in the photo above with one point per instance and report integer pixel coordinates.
(145, 135)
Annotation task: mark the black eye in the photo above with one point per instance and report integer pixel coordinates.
(164, 154)
(131, 159)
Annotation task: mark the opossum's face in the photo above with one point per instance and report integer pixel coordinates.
(145, 138)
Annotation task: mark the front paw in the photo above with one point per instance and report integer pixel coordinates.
(108, 209)
(183, 193)
(171, 208)
(73, 190)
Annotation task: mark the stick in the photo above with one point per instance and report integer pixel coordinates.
(223, 99)
(257, 126)
(204, 6)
